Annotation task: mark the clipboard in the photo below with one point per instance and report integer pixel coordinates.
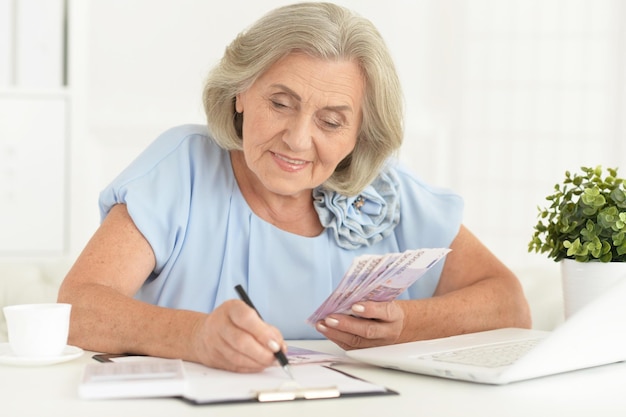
(209, 386)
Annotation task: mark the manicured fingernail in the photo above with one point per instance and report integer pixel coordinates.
(358, 308)
(331, 322)
(321, 327)
(273, 345)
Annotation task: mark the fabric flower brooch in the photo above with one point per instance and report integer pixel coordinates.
(361, 220)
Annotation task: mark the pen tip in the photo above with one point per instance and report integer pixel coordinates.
(287, 369)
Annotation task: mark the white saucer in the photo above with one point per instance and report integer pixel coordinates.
(7, 357)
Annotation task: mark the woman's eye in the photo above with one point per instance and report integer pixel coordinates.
(331, 122)
(278, 104)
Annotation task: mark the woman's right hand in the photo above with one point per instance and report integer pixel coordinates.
(233, 337)
(106, 318)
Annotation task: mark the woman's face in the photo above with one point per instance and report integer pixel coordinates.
(301, 118)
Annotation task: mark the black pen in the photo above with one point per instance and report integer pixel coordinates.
(280, 356)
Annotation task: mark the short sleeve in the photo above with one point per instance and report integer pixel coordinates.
(157, 188)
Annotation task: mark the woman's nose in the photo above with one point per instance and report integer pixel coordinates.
(299, 134)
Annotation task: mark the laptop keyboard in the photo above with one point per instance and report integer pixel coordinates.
(491, 356)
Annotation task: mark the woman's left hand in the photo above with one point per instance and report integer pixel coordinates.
(369, 324)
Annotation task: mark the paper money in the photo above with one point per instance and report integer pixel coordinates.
(378, 278)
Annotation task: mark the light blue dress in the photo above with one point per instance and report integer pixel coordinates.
(183, 197)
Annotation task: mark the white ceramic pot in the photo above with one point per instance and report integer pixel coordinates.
(584, 281)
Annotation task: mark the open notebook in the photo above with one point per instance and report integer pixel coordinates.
(594, 336)
(123, 376)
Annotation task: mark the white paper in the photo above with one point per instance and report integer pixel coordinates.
(155, 377)
(204, 385)
(208, 385)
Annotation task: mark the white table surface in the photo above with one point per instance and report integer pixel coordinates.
(52, 391)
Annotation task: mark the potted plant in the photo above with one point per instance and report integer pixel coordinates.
(584, 228)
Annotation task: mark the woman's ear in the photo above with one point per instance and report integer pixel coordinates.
(238, 104)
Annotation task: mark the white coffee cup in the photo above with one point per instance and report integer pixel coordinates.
(38, 330)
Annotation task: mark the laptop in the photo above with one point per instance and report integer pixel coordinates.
(593, 336)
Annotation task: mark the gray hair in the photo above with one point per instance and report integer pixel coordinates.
(326, 31)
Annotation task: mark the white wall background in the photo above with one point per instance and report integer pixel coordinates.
(502, 96)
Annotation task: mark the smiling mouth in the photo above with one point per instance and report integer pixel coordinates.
(289, 161)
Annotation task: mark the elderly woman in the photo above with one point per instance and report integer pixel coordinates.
(290, 180)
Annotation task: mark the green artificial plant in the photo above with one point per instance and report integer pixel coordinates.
(586, 219)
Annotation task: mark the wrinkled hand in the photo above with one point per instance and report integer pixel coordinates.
(233, 337)
(370, 324)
